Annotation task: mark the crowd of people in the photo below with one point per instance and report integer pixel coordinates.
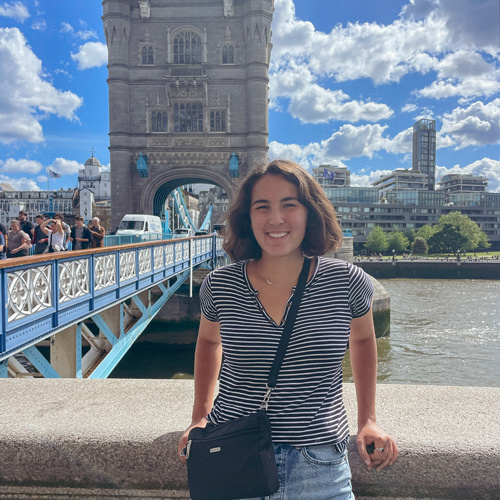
(48, 235)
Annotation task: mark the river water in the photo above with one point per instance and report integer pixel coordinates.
(443, 332)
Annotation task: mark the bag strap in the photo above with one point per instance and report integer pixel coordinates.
(287, 331)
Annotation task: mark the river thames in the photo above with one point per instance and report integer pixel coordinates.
(443, 332)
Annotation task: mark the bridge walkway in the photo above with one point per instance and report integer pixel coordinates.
(76, 314)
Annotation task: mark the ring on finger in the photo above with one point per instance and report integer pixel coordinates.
(380, 449)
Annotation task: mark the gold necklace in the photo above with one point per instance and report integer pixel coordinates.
(276, 284)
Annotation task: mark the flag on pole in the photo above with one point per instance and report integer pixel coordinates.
(53, 174)
(328, 175)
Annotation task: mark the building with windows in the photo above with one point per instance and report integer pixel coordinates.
(360, 209)
(332, 176)
(400, 180)
(460, 184)
(424, 150)
(94, 185)
(36, 202)
(220, 203)
(188, 96)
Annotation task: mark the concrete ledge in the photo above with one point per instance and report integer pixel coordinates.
(118, 439)
(432, 269)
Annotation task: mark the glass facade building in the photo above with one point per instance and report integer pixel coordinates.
(424, 150)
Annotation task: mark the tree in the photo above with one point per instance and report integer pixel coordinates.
(410, 234)
(465, 226)
(398, 241)
(376, 242)
(419, 246)
(483, 241)
(447, 239)
(425, 232)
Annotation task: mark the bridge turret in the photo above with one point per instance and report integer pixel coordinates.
(257, 19)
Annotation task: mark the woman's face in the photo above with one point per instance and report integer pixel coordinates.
(278, 218)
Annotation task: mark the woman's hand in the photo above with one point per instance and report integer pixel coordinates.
(184, 439)
(371, 433)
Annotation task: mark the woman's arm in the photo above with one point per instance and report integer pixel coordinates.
(207, 363)
(43, 226)
(363, 353)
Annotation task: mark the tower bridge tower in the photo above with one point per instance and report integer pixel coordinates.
(188, 87)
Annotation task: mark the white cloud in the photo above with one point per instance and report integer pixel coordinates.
(486, 167)
(15, 10)
(348, 142)
(26, 97)
(425, 38)
(17, 166)
(477, 125)
(409, 108)
(66, 167)
(365, 180)
(351, 142)
(467, 22)
(22, 184)
(39, 25)
(91, 55)
(311, 103)
(303, 156)
(81, 34)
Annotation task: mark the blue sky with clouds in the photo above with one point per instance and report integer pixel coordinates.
(348, 79)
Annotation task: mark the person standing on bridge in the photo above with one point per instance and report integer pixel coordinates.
(280, 217)
(80, 234)
(18, 242)
(98, 233)
(55, 235)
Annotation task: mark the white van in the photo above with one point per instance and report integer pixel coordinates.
(141, 224)
(183, 232)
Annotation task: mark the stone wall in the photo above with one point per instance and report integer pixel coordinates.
(432, 269)
(104, 439)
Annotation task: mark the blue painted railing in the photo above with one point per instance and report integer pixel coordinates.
(43, 294)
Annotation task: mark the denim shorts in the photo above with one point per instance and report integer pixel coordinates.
(312, 473)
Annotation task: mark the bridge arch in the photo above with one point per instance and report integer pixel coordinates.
(155, 193)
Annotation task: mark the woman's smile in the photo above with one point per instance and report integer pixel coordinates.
(278, 218)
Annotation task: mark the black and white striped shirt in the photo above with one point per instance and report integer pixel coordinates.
(306, 406)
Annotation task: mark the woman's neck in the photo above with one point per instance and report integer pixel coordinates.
(279, 269)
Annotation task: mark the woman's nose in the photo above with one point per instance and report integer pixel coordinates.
(276, 216)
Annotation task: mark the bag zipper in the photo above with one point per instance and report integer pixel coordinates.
(188, 448)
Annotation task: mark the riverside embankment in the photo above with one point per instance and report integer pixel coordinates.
(431, 268)
(109, 439)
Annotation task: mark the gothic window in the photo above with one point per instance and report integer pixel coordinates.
(228, 54)
(147, 55)
(159, 121)
(188, 117)
(187, 48)
(217, 121)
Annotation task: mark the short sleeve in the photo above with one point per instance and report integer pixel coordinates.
(208, 308)
(360, 291)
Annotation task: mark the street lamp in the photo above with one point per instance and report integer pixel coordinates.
(393, 255)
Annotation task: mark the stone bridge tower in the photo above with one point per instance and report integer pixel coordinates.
(188, 95)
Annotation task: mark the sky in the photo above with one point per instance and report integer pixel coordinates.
(348, 79)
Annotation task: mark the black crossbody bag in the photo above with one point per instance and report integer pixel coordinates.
(236, 459)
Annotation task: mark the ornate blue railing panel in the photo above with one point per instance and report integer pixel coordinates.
(40, 298)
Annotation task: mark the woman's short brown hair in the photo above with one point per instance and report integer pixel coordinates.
(323, 233)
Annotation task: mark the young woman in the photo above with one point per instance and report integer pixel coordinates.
(280, 217)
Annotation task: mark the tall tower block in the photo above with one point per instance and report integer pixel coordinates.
(424, 150)
(188, 87)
